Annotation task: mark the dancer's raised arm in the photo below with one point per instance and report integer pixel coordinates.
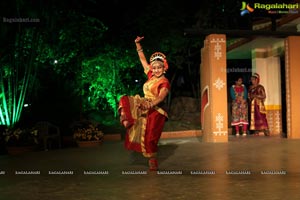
(140, 52)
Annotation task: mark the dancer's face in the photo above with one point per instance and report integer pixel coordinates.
(157, 69)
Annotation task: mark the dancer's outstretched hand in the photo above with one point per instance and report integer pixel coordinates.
(138, 39)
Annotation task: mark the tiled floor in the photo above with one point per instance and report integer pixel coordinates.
(244, 168)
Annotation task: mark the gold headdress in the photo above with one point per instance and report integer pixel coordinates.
(158, 56)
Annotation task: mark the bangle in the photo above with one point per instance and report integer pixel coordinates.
(138, 50)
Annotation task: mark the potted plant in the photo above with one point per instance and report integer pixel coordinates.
(87, 134)
(19, 140)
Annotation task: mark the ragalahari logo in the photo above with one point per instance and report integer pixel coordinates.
(246, 9)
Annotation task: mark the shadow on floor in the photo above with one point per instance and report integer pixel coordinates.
(164, 152)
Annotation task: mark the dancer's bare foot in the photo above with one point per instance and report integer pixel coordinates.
(153, 165)
(127, 124)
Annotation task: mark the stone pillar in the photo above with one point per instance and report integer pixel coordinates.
(214, 122)
(267, 64)
(292, 70)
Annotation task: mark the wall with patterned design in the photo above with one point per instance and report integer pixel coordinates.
(214, 116)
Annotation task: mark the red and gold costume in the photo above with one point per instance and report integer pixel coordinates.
(257, 96)
(146, 126)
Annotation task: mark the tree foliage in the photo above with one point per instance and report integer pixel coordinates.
(106, 77)
(17, 76)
